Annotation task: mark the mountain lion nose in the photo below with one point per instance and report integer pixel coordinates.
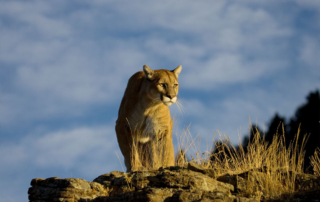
(170, 96)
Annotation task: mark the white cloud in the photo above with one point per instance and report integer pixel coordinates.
(228, 68)
(83, 152)
(314, 5)
(231, 115)
(88, 147)
(175, 51)
(35, 16)
(226, 52)
(309, 53)
(59, 59)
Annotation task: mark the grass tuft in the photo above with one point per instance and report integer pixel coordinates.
(315, 162)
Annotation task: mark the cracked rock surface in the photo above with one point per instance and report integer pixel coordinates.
(164, 185)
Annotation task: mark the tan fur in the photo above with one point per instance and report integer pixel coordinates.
(144, 119)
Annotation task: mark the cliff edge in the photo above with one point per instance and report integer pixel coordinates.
(191, 183)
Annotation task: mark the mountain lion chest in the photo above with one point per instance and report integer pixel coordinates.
(149, 125)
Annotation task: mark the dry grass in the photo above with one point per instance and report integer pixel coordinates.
(315, 162)
(278, 163)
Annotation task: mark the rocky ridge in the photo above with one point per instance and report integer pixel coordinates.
(192, 183)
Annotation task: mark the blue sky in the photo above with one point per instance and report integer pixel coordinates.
(64, 66)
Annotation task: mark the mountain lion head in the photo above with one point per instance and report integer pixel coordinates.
(162, 85)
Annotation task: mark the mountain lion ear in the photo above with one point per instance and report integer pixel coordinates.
(177, 70)
(149, 72)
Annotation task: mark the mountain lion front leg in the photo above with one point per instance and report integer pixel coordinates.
(161, 150)
(168, 152)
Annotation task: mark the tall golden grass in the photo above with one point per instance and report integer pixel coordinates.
(315, 162)
(279, 163)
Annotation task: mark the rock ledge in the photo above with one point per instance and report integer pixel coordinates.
(164, 185)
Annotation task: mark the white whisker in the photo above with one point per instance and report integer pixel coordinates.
(182, 109)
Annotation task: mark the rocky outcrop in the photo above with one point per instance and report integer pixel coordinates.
(67, 190)
(170, 184)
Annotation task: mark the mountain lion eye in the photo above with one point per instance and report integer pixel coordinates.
(175, 85)
(162, 85)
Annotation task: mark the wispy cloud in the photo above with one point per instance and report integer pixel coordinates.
(309, 52)
(64, 150)
(80, 151)
(65, 65)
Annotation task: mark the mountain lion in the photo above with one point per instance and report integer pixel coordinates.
(144, 125)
